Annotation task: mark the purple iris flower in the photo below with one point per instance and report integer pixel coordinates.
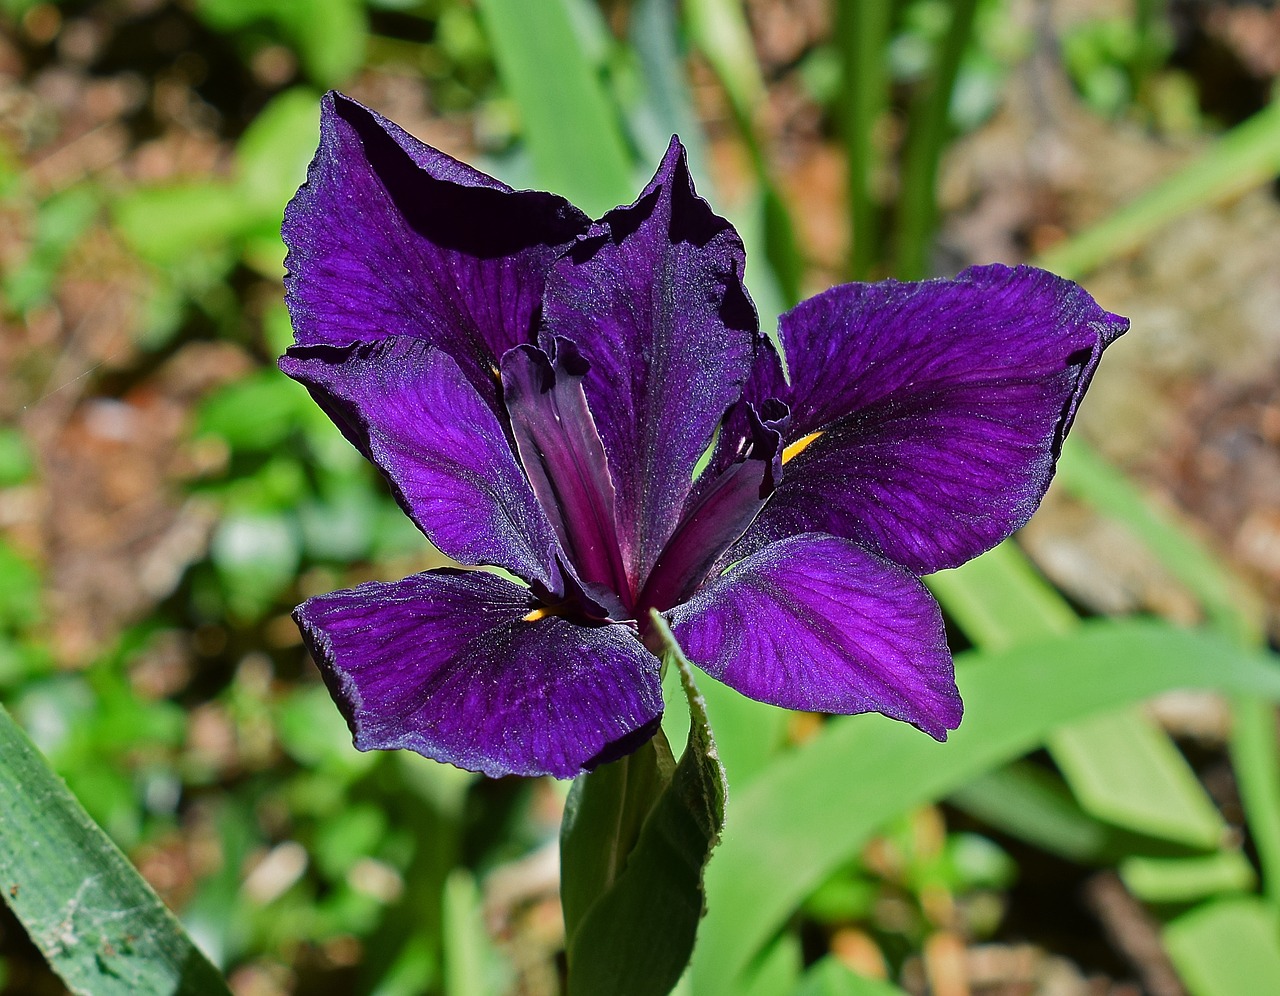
(590, 407)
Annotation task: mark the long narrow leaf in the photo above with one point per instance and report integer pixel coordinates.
(815, 807)
(1121, 766)
(93, 917)
(573, 133)
(1246, 157)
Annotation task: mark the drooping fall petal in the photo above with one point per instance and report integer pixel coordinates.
(815, 622)
(463, 667)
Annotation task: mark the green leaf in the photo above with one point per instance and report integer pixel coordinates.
(1122, 767)
(1226, 948)
(272, 155)
(162, 224)
(331, 36)
(16, 461)
(1032, 804)
(470, 963)
(635, 939)
(603, 817)
(95, 919)
(814, 807)
(829, 977)
(573, 134)
(1245, 157)
(1185, 880)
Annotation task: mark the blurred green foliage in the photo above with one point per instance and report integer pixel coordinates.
(203, 742)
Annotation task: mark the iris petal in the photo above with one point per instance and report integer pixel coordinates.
(410, 410)
(942, 406)
(445, 664)
(391, 237)
(815, 622)
(654, 297)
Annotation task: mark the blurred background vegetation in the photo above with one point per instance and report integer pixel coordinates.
(166, 497)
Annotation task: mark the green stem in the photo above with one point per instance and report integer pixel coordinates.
(862, 37)
(926, 138)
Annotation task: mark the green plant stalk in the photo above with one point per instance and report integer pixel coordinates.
(862, 36)
(926, 139)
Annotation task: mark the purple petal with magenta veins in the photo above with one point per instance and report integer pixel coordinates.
(927, 417)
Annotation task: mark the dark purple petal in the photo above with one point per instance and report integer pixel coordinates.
(410, 410)
(464, 667)
(816, 622)
(941, 405)
(654, 299)
(391, 237)
(724, 508)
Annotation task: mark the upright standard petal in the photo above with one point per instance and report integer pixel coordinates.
(927, 417)
(391, 237)
(654, 299)
(461, 666)
(410, 410)
(816, 622)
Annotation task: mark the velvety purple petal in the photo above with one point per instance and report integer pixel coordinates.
(410, 410)
(724, 508)
(654, 299)
(462, 667)
(942, 407)
(391, 237)
(816, 622)
(564, 459)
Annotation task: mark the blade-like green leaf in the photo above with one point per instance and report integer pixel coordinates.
(93, 917)
(816, 806)
(603, 816)
(1186, 880)
(636, 939)
(829, 977)
(1121, 766)
(1227, 948)
(1124, 769)
(1032, 804)
(1229, 604)
(573, 134)
(1245, 157)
